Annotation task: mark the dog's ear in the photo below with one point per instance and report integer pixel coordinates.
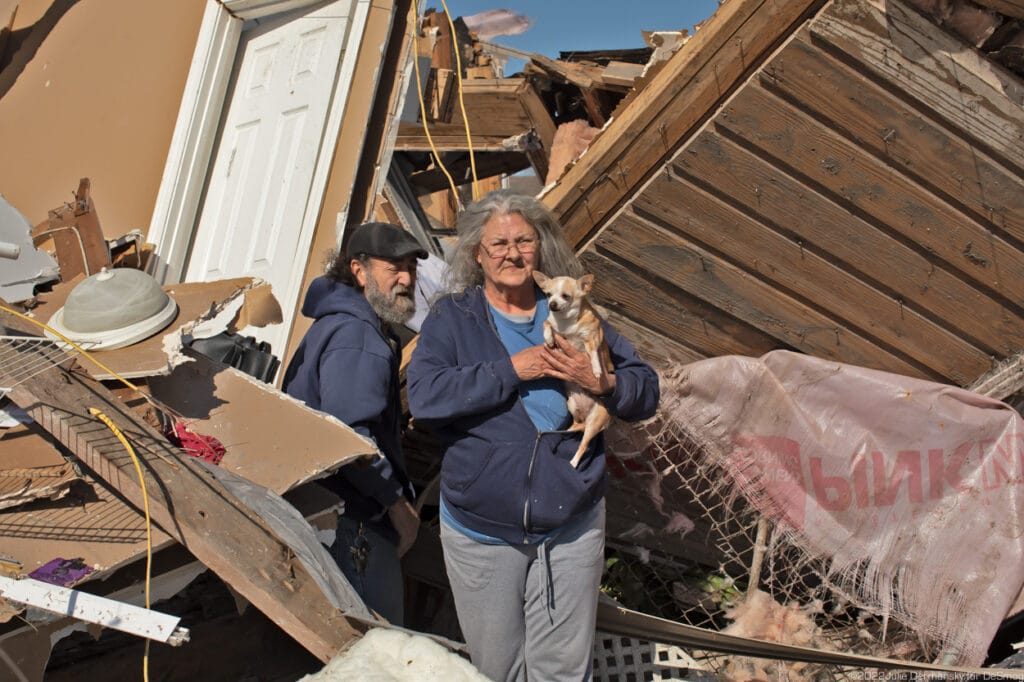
(540, 278)
(586, 283)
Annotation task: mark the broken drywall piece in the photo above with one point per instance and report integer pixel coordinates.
(222, 315)
(31, 468)
(665, 44)
(281, 452)
(159, 354)
(24, 266)
(260, 307)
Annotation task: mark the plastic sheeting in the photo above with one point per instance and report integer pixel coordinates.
(911, 489)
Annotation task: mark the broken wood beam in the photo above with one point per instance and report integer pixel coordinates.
(487, 164)
(532, 145)
(190, 505)
(77, 238)
(672, 105)
(1012, 8)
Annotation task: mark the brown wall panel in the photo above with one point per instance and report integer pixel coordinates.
(680, 207)
(883, 123)
(706, 276)
(98, 99)
(766, 193)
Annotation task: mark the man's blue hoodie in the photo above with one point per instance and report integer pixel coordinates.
(500, 476)
(347, 366)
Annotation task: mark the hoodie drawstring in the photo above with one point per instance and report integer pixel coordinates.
(547, 587)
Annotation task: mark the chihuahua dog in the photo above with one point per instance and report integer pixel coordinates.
(571, 316)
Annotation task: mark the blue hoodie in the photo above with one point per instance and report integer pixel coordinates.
(347, 366)
(500, 476)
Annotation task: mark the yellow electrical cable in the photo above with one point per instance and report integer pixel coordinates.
(145, 506)
(462, 103)
(81, 350)
(131, 453)
(423, 105)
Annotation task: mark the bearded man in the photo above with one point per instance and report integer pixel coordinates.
(347, 365)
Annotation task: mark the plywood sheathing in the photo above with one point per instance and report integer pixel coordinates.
(855, 193)
(191, 506)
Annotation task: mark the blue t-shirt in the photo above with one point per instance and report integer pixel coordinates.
(544, 399)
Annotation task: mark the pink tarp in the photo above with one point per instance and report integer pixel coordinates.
(911, 489)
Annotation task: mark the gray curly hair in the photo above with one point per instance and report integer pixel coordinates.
(556, 258)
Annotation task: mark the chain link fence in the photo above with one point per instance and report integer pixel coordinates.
(723, 568)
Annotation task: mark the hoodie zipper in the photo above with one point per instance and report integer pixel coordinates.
(536, 442)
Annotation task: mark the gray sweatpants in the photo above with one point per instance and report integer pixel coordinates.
(528, 612)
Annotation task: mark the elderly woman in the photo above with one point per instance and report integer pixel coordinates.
(522, 530)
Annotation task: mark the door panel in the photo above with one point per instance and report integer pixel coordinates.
(259, 182)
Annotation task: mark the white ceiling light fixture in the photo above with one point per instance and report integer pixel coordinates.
(113, 309)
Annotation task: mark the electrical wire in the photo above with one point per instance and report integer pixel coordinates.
(81, 243)
(74, 345)
(149, 524)
(423, 105)
(131, 453)
(462, 103)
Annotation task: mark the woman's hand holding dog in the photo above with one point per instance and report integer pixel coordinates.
(568, 364)
(565, 363)
(530, 363)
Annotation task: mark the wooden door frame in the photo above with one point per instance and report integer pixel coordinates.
(191, 152)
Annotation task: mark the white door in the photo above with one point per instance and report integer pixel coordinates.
(258, 188)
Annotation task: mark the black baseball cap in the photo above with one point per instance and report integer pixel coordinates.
(383, 240)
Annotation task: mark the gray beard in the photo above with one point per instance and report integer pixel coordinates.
(390, 307)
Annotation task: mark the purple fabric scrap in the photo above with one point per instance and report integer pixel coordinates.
(63, 572)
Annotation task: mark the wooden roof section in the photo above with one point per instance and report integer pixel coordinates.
(841, 178)
(497, 109)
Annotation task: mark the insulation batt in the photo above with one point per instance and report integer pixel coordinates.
(384, 655)
(761, 617)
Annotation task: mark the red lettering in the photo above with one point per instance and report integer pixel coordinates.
(772, 465)
(942, 471)
(907, 466)
(860, 480)
(839, 499)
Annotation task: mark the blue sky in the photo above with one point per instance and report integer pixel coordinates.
(595, 25)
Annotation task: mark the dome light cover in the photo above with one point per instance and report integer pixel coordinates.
(113, 309)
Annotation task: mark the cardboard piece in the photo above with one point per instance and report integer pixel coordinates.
(31, 467)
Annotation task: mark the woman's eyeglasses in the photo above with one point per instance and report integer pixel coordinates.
(500, 249)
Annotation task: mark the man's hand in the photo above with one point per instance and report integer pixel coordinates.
(406, 521)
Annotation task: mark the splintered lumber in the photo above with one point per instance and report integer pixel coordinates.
(1013, 8)
(497, 109)
(189, 505)
(710, 66)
